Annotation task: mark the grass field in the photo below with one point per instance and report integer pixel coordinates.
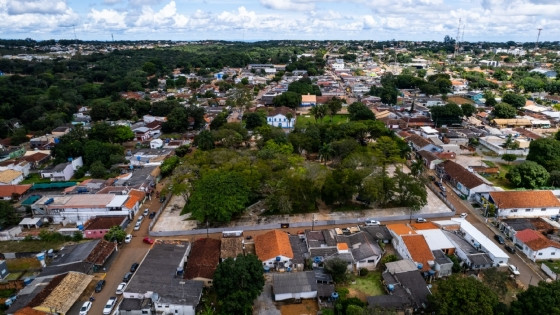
(28, 246)
(500, 179)
(302, 120)
(363, 287)
(35, 178)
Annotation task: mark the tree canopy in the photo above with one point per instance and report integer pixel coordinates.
(238, 282)
(462, 295)
(528, 174)
(546, 152)
(504, 110)
(8, 215)
(448, 114)
(541, 299)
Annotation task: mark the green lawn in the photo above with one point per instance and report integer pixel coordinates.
(369, 285)
(35, 178)
(553, 265)
(302, 120)
(500, 179)
(28, 246)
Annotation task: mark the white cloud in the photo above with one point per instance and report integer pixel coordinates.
(290, 5)
(106, 19)
(15, 7)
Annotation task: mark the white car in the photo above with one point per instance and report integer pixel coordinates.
(128, 238)
(120, 288)
(514, 270)
(421, 220)
(137, 226)
(110, 305)
(85, 308)
(146, 211)
(370, 222)
(464, 215)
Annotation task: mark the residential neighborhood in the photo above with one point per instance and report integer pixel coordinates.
(335, 175)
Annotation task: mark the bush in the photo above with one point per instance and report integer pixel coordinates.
(363, 272)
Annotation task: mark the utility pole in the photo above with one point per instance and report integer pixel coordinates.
(457, 39)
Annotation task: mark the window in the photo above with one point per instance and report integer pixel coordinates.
(540, 254)
(527, 210)
(543, 209)
(553, 253)
(371, 261)
(513, 210)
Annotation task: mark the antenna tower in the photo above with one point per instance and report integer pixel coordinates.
(538, 36)
(457, 38)
(112, 38)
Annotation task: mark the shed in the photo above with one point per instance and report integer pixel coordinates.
(298, 285)
(31, 223)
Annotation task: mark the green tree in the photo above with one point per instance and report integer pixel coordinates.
(289, 99)
(254, 120)
(169, 165)
(462, 295)
(115, 233)
(468, 110)
(218, 196)
(514, 100)
(508, 157)
(504, 110)
(410, 191)
(238, 282)
(122, 134)
(337, 268)
(546, 152)
(97, 169)
(359, 111)
(204, 140)
(219, 121)
(448, 114)
(334, 105)
(540, 299)
(528, 174)
(183, 150)
(8, 215)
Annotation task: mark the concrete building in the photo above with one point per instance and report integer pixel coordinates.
(160, 279)
(294, 285)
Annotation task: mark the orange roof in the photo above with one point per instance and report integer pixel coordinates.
(29, 311)
(535, 240)
(424, 226)
(400, 229)
(272, 244)
(308, 98)
(342, 246)
(8, 190)
(524, 199)
(134, 196)
(419, 250)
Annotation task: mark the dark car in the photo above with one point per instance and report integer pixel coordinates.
(443, 194)
(510, 249)
(99, 286)
(134, 267)
(127, 277)
(432, 178)
(499, 238)
(162, 199)
(152, 215)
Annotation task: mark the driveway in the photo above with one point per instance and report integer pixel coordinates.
(264, 304)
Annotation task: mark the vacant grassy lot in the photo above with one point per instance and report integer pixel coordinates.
(28, 246)
(22, 264)
(302, 120)
(363, 287)
(500, 179)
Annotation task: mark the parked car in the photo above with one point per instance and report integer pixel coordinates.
(134, 267)
(140, 218)
(85, 308)
(110, 305)
(421, 220)
(432, 178)
(443, 194)
(370, 222)
(513, 270)
(137, 226)
(162, 199)
(442, 188)
(152, 215)
(127, 277)
(128, 238)
(99, 286)
(146, 211)
(464, 215)
(148, 240)
(120, 288)
(499, 239)
(510, 249)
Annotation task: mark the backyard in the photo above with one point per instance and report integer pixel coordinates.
(499, 179)
(302, 120)
(362, 287)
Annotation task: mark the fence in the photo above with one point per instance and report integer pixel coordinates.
(436, 192)
(158, 213)
(549, 272)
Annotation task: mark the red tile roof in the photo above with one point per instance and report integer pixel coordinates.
(8, 190)
(461, 174)
(535, 240)
(400, 229)
(203, 259)
(103, 223)
(524, 199)
(272, 244)
(134, 196)
(418, 249)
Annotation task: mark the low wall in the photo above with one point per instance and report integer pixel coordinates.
(549, 272)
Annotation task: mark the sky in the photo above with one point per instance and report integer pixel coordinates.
(249, 20)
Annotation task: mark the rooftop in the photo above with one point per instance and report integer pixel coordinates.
(103, 223)
(8, 190)
(419, 250)
(524, 199)
(158, 274)
(294, 282)
(8, 176)
(203, 259)
(400, 229)
(272, 244)
(535, 240)
(231, 247)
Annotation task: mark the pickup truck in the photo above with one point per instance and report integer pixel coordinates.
(514, 270)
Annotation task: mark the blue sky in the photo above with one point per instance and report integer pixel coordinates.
(487, 20)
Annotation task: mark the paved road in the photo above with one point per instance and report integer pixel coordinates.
(530, 272)
(120, 264)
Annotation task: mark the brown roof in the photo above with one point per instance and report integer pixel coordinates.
(103, 223)
(418, 141)
(535, 240)
(134, 196)
(485, 169)
(524, 199)
(429, 156)
(308, 98)
(203, 259)
(272, 244)
(29, 311)
(527, 133)
(8, 190)
(154, 124)
(273, 111)
(461, 174)
(446, 155)
(231, 247)
(419, 250)
(101, 252)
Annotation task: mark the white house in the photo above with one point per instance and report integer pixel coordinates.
(63, 171)
(466, 182)
(21, 166)
(522, 204)
(10, 177)
(278, 117)
(156, 144)
(274, 249)
(474, 236)
(536, 246)
(294, 285)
